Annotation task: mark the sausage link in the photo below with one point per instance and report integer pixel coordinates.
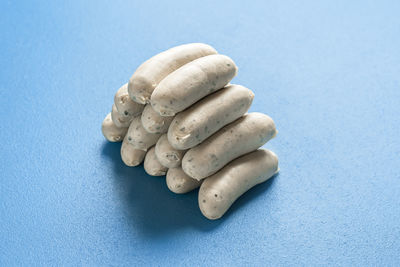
(238, 138)
(148, 75)
(195, 124)
(167, 155)
(154, 122)
(110, 131)
(125, 106)
(151, 164)
(219, 191)
(192, 82)
(139, 137)
(129, 155)
(119, 120)
(179, 182)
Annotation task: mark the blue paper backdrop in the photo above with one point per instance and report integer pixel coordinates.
(328, 72)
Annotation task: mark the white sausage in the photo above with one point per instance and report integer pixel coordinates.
(119, 120)
(131, 156)
(139, 137)
(151, 165)
(179, 182)
(148, 75)
(238, 138)
(125, 106)
(195, 124)
(154, 122)
(167, 155)
(191, 82)
(111, 132)
(219, 191)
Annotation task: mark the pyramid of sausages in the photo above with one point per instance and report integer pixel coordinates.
(180, 115)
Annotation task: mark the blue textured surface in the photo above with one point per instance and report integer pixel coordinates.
(328, 73)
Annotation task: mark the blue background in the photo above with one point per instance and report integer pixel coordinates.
(328, 73)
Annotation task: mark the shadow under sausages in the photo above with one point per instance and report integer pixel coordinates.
(153, 209)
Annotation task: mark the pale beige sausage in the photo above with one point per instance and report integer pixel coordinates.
(148, 75)
(192, 82)
(151, 164)
(219, 191)
(167, 155)
(154, 122)
(129, 155)
(110, 131)
(119, 120)
(179, 182)
(139, 137)
(195, 124)
(124, 104)
(238, 138)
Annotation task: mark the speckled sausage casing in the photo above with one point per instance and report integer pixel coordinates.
(219, 191)
(167, 155)
(179, 182)
(124, 104)
(151, 164)
(148, 75)
(110, 131)
(192, 82)
(129, 155)
(139, 137)
(119, 120)
(195, 124)
(154, 122)
(238, 138)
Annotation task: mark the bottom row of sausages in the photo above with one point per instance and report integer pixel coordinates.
(224, 166)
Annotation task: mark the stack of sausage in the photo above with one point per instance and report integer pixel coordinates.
(180, 114)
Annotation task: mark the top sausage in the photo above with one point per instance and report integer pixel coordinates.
(192, 82)
(148, 75)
